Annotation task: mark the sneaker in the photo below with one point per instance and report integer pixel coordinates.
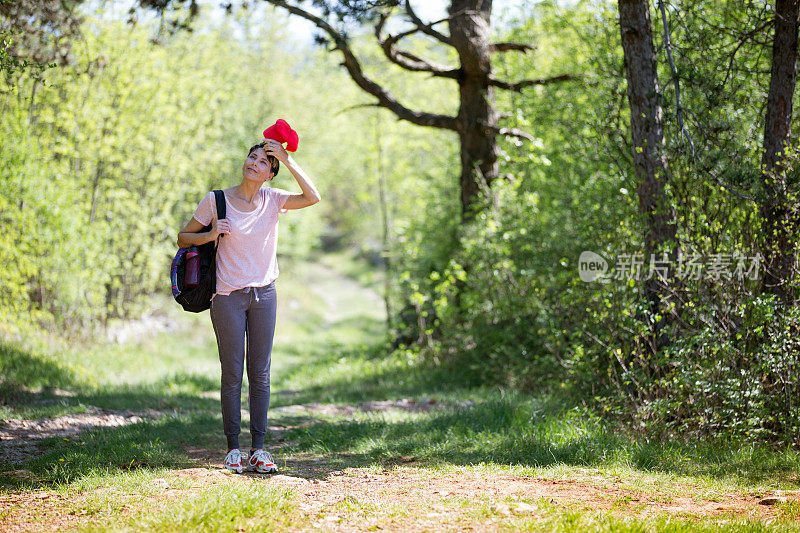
(235, 461)
(261, 462)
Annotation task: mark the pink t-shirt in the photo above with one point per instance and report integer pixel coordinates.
(247, 257)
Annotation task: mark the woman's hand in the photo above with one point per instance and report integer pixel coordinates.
(276, 149)
(220, 227)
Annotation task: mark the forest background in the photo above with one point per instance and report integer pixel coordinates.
(111, 138)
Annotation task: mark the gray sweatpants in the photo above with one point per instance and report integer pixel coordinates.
(249, 311)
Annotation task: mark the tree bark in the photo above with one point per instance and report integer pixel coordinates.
(384, 208)
(779, 212)
(647, 130)
(477, 117)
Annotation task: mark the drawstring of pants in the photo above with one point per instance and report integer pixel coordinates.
(254, 290)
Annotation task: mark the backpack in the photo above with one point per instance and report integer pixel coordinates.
(198, 298)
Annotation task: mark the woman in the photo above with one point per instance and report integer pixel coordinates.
(245, 302)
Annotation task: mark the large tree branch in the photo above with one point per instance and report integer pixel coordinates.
(405, 59)
(427, 29)
(505, 47)
(527, 83)
(385, 98)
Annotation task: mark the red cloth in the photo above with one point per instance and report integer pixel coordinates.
(283, 133)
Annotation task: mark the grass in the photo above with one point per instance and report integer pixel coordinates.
(559, 521)
(228, 507)
(330, 349)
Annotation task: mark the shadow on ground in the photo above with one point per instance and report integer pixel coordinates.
(26, 377)
(466, 426)
(480, 425)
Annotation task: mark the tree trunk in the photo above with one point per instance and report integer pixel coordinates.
(779, 214)
(470, 33)
(384, 208)
(647, 130)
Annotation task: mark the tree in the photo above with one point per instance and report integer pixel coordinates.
(647, 131)
(41, 31)
(779, 212)
(477, 123)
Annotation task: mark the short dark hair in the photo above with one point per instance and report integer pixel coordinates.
(275, 165)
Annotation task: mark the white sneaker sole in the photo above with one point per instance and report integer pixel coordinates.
(237, 469)
(263, 470)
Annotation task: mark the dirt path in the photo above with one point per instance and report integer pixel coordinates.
(402, 498)
(403, 494)
(431, 501)
(407, 494)
(20, 438)
(321, 281)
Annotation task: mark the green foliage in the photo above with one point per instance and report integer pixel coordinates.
(506, 305)
(10, 64)
(91, 218)
(105, 159)
(739, 382)
(508, 302)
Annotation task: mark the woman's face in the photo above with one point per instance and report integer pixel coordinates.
(257, 167)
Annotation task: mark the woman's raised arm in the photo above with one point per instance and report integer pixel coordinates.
(310, 195)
